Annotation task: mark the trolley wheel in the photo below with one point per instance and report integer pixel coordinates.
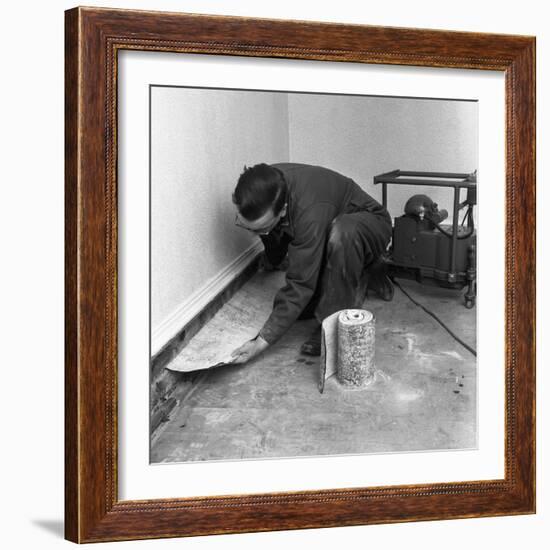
(469, 302)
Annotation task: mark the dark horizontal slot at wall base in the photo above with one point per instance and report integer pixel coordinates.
(169, 388)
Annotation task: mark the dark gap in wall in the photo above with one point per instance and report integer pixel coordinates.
(169, 388)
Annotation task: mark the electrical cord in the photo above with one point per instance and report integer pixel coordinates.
(461, 342)
(468, 215)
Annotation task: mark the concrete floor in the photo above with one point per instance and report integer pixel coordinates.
(423, 398)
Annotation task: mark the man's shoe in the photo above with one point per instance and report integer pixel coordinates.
(312, 346)
(380, 282)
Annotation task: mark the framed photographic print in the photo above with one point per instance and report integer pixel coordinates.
(300, 274)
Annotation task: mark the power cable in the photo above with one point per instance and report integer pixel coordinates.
(461, 342)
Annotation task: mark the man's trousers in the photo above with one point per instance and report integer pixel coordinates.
(354, 243)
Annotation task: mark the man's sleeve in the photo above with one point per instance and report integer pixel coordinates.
(275, 247)
(305, 255)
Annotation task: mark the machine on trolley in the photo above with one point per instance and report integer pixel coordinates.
(425, 249)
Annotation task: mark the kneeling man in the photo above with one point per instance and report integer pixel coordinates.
(330, 231)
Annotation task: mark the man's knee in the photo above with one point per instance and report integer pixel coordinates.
(342, 232)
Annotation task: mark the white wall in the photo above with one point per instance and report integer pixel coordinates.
(31, 281)
(201, 139)
(365, 136)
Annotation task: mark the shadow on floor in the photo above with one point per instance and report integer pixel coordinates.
(53, 526)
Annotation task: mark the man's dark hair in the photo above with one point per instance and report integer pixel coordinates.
(259, 188)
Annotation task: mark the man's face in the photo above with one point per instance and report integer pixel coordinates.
(264, 224)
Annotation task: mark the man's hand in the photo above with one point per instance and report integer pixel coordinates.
(249, 350)
(266, 265)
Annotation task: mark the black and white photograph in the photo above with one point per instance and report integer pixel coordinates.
(312, 274)
(278, 273)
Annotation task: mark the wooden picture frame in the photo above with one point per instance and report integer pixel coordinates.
(93, 511)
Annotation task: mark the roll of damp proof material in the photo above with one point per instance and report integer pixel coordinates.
(355, 347)
(348, 343)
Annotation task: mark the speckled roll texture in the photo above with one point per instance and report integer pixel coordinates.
(355, 347)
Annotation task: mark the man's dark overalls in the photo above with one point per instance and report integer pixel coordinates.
(333, 231)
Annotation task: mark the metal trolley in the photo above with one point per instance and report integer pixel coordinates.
(422, 247)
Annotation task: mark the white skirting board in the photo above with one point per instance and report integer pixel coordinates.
(188, 309)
